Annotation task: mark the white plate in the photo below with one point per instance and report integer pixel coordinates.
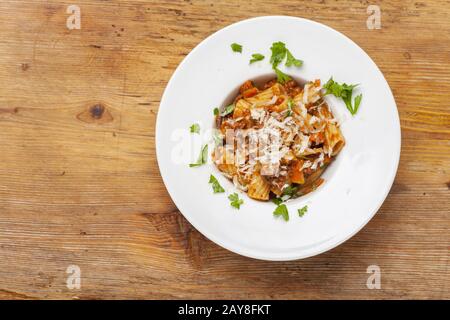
(356, 184)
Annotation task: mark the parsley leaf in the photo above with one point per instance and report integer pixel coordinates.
(282, 210)
(290, 104)
(202, 159)
(343, 91)
(217, 188)
(228, 109)
(256, 57)
(290, 191)
(217, 137)
(195, 128)
(302, 211)
(236, 47)
(358, 99)
(235, 201)
(291, 61)
(277, 201)
(281, 76)
(278, 54)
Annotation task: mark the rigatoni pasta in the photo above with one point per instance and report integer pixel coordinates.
(277, 140)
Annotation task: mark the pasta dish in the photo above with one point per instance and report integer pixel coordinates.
(275, 141)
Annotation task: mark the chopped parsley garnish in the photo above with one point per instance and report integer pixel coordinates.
(277, 201)
(282, 210)
(202, 159)
(287, 193)
(281, 76)
(217, 137)
(358, 99)
(290, 104)
(195, 128)
(278, 53)
(228, 109)
(236, 47)
(235, 201)
(291, 61)
(290, 191)
(302, 211)
(344, 91)
(256, 57)
(217, 188)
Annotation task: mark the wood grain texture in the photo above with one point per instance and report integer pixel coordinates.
(79, 182)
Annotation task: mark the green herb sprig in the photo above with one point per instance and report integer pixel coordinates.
(290, 104)
(202, 159)
(302, 211)
(235, 201)
(279, 53)
(195, 128)
(281, 210)
(345, 92)
(236, 47)
(217, 188)
(256, 57)
(228, 109)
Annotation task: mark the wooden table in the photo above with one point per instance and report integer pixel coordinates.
(79, 182)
